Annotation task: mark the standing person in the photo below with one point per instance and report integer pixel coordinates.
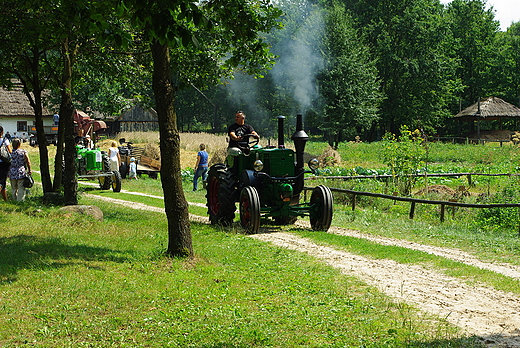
(88, 142)
(132, 170)
(201, 167)
(238, 129)
(114, 156)
(4, 167)
(56, 119)
(20, 168)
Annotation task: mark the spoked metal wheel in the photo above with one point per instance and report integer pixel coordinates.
(321, 208)
(250, 209)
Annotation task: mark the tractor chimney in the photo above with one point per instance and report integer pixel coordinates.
(300, 138)
(281, 144)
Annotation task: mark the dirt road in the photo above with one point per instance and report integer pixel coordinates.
(485, 312)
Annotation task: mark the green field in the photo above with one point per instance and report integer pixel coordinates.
(68, 281)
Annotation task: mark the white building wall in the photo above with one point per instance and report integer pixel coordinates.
(10, 125)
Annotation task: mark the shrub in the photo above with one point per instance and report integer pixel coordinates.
(405, 155)
(501, 218)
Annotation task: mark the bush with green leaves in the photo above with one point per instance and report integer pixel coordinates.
(502, 218)
(404, 155)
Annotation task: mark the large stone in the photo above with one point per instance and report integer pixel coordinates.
(91, 210)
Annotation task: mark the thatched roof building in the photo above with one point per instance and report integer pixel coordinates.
(488, 109)
(16, 114)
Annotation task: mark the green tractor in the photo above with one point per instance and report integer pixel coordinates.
(94, 163)
(267, 182)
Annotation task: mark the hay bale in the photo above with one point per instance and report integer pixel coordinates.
(152, 151)
(218, 156)
(330, 158)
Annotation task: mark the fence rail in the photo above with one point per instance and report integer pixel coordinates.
(430, 175)
(414, 201)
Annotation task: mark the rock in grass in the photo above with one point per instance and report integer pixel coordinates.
(91, 210)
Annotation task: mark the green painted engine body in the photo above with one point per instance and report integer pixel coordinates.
(91, 158)
(278, 184)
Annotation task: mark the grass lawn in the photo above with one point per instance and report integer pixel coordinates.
(67, 281)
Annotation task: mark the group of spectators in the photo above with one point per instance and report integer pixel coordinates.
(20, 165)
(16, 170)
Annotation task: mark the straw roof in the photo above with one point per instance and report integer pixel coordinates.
(488, 109)
(14, 103)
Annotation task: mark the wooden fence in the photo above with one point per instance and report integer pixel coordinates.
(431, 175)
(414, 201)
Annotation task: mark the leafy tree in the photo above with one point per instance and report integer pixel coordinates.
(504, 69)
(230, 32)
(474, 31)
(348, 83)
(405, 156)
(26, 54)
(42, 45)
(408, 40)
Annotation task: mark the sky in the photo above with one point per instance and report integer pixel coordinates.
(506, 11)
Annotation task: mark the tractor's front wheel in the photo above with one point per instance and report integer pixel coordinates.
(250, 209)
(321, 208)
(221, 195)
(105, 181)
(116, 181)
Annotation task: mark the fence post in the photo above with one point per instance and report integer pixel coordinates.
(353, 201)
(470, 183)
(442, 212)
(412, 210)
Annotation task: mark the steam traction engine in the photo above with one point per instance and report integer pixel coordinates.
(267, 182)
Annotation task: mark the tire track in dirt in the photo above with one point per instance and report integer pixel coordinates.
(478, 310)
(509, 270)
(485, 312)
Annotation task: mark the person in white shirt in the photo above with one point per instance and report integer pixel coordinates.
(114, 156)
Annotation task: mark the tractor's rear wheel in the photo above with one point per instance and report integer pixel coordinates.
(221, 195)
(250, 209)
(321, 208)
(123, 170)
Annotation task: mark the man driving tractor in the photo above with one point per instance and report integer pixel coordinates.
(237, 131)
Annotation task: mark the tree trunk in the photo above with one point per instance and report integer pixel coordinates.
(58, 159)
(70, 181)
(176, 207)
(36, 103)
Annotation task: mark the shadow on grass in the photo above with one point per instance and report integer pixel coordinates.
(31, 252)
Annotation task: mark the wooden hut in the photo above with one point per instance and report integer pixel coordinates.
(487, 109)
(135, 119)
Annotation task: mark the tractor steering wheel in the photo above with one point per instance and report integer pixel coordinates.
(255, 140)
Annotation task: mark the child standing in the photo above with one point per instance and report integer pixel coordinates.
(132, 173)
